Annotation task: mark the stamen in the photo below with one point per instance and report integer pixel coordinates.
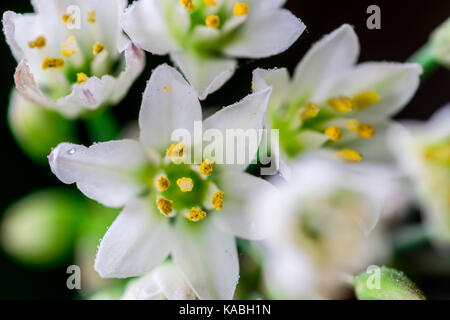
(352, 124)
(68, 18)
(163, 183)
(82, 77)
(240, 9)
(52, 63)
(165, 206)
(69, 47)
(334, 133)
(217, 200)
(211, 3)
(366, 99)
(166, 89)
(91, 16)
(176, 151)
(98, 48)
(185, 184)
(38, 43)
(349, 155)
(341, 104)
(188, 5)
(206, 167)
(365, 131)
(212, 21)
(310, 111)
(196, 214)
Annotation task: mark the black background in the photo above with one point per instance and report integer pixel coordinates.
(405, 28)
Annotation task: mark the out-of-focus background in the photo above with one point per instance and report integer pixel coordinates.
(406, 26)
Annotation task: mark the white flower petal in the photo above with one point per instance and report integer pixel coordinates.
(278, 79)
(143, 288)
(105, 172)
(172, 283)
(266, 34)
(238, 215)
(208, 259)
(334, 54)
(169, 103)
(206, 74)
(137, 241)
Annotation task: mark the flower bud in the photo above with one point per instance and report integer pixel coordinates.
(440, 43)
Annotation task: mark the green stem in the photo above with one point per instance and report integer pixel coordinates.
(102, 127)
(425, 58)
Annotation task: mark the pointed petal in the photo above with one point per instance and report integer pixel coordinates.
(169, 103)
(206, 74)
(106, 172)
(208, 259)
(137, 241)
(172, 283)
(328, 58)
(143, 288)
(278, 79)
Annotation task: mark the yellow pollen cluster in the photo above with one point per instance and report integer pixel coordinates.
(196, 214)
(310, 111)
(365, 99)
(349, 155)
(206, 167)
(176, 151)
(217, 200)
(166, 89)
(68, 18)
(50, 62)
(185, 184)
(212, 21)
(69, 47)
(365, 131)
(341, 104)
(240, 9)
(165, 206)
(188, 5)
(82, 77)
(334, 133)
(211, 3)
(162, 183)
(98, 48)
(38, 43)
(91, 16)
(352, 124)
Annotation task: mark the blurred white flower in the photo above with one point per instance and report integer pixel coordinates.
(332, 103)
(440, 43)
(204, 37)
(322, 227)
(160, 191)
(164, 282)
(72, 54)
(423, 151)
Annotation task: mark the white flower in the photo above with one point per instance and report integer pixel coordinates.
(332, 103)
(440, 43)
(423, 151)
(164, 282)
(323, 226)
(204, 37)
(72, 54)
(159, 191)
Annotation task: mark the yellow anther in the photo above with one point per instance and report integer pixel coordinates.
(365, 99)
(196, 214)
(341, 104)
(352, 124)
(91, 16)
(176, 151)
(52, 63)
(310, 111)
(69, 47)
(349, 155)
(98, 48)
(165, 206)
(163, 183)
(185, 184)
(68, 18)
(38, 43)
(334, 133)
(240, 9)
(212, 21)
(166, 89)
(211, 3)
(82, 77)
(188, 5)
(206, 167)
(365, 131)
(217, 200)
